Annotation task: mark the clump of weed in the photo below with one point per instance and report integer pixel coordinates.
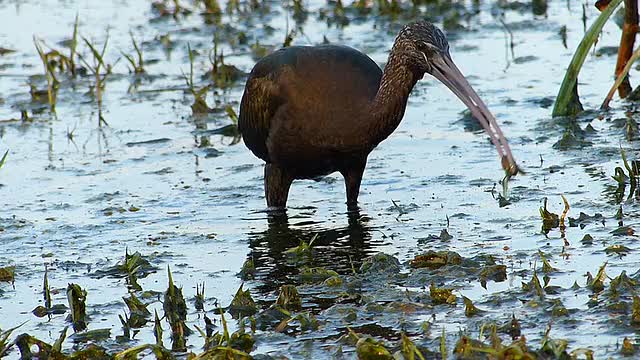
(226, 346)
(132, 267)
(8, 273)
(248, 270)
(289, 298)
(175, 310)
(242, 304)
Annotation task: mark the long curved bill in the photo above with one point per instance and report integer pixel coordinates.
(448, 73)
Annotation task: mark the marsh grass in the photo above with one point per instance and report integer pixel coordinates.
(4, 158)
(175, 311)
(100, 71)
(137, 62)
(199, 106)
(49, 72)
(200, 298)
(77, 298)
(567, 102)
(5, 345)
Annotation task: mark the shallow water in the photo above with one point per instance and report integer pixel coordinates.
(66, 202)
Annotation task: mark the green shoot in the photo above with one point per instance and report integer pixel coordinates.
(4, 158)
(100, 78)
(137, 66)
(567, 100)
(49, 72)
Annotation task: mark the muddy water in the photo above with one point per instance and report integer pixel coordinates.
(156, 182)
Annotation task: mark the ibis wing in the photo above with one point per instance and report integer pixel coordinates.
(259, 104)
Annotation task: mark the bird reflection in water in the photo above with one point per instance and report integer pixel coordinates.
(336, 249)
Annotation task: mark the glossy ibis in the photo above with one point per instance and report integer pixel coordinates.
(309, 111)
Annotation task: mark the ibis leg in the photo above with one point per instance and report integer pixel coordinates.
(276, 186)
(352, 179)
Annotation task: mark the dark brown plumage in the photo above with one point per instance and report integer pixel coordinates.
(309, 111)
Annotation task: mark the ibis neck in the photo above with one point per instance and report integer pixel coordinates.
(398, 79)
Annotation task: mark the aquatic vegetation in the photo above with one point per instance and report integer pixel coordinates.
(289, 298)
(368, 348)
(242, 304)
(100, 71)
(138, 311)
(52, 81)
(549, 219)
(137, 65)
(77, 304)
(435, 259)
(132, 267)
(248, 270)
(8, 274)
(199, 106)
(379, 262)
(567, 101)
(596, 284)
(175, 311)
(5, 345)
(222, 75)
(469, 308)
(441, 295)
(404, 281)
(302, 252)
(157, 329)
(316, 274)
(620, 79)
(199, 299)
(494, 272)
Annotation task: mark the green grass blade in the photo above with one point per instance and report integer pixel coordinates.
(4, 158)
(567, 93)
